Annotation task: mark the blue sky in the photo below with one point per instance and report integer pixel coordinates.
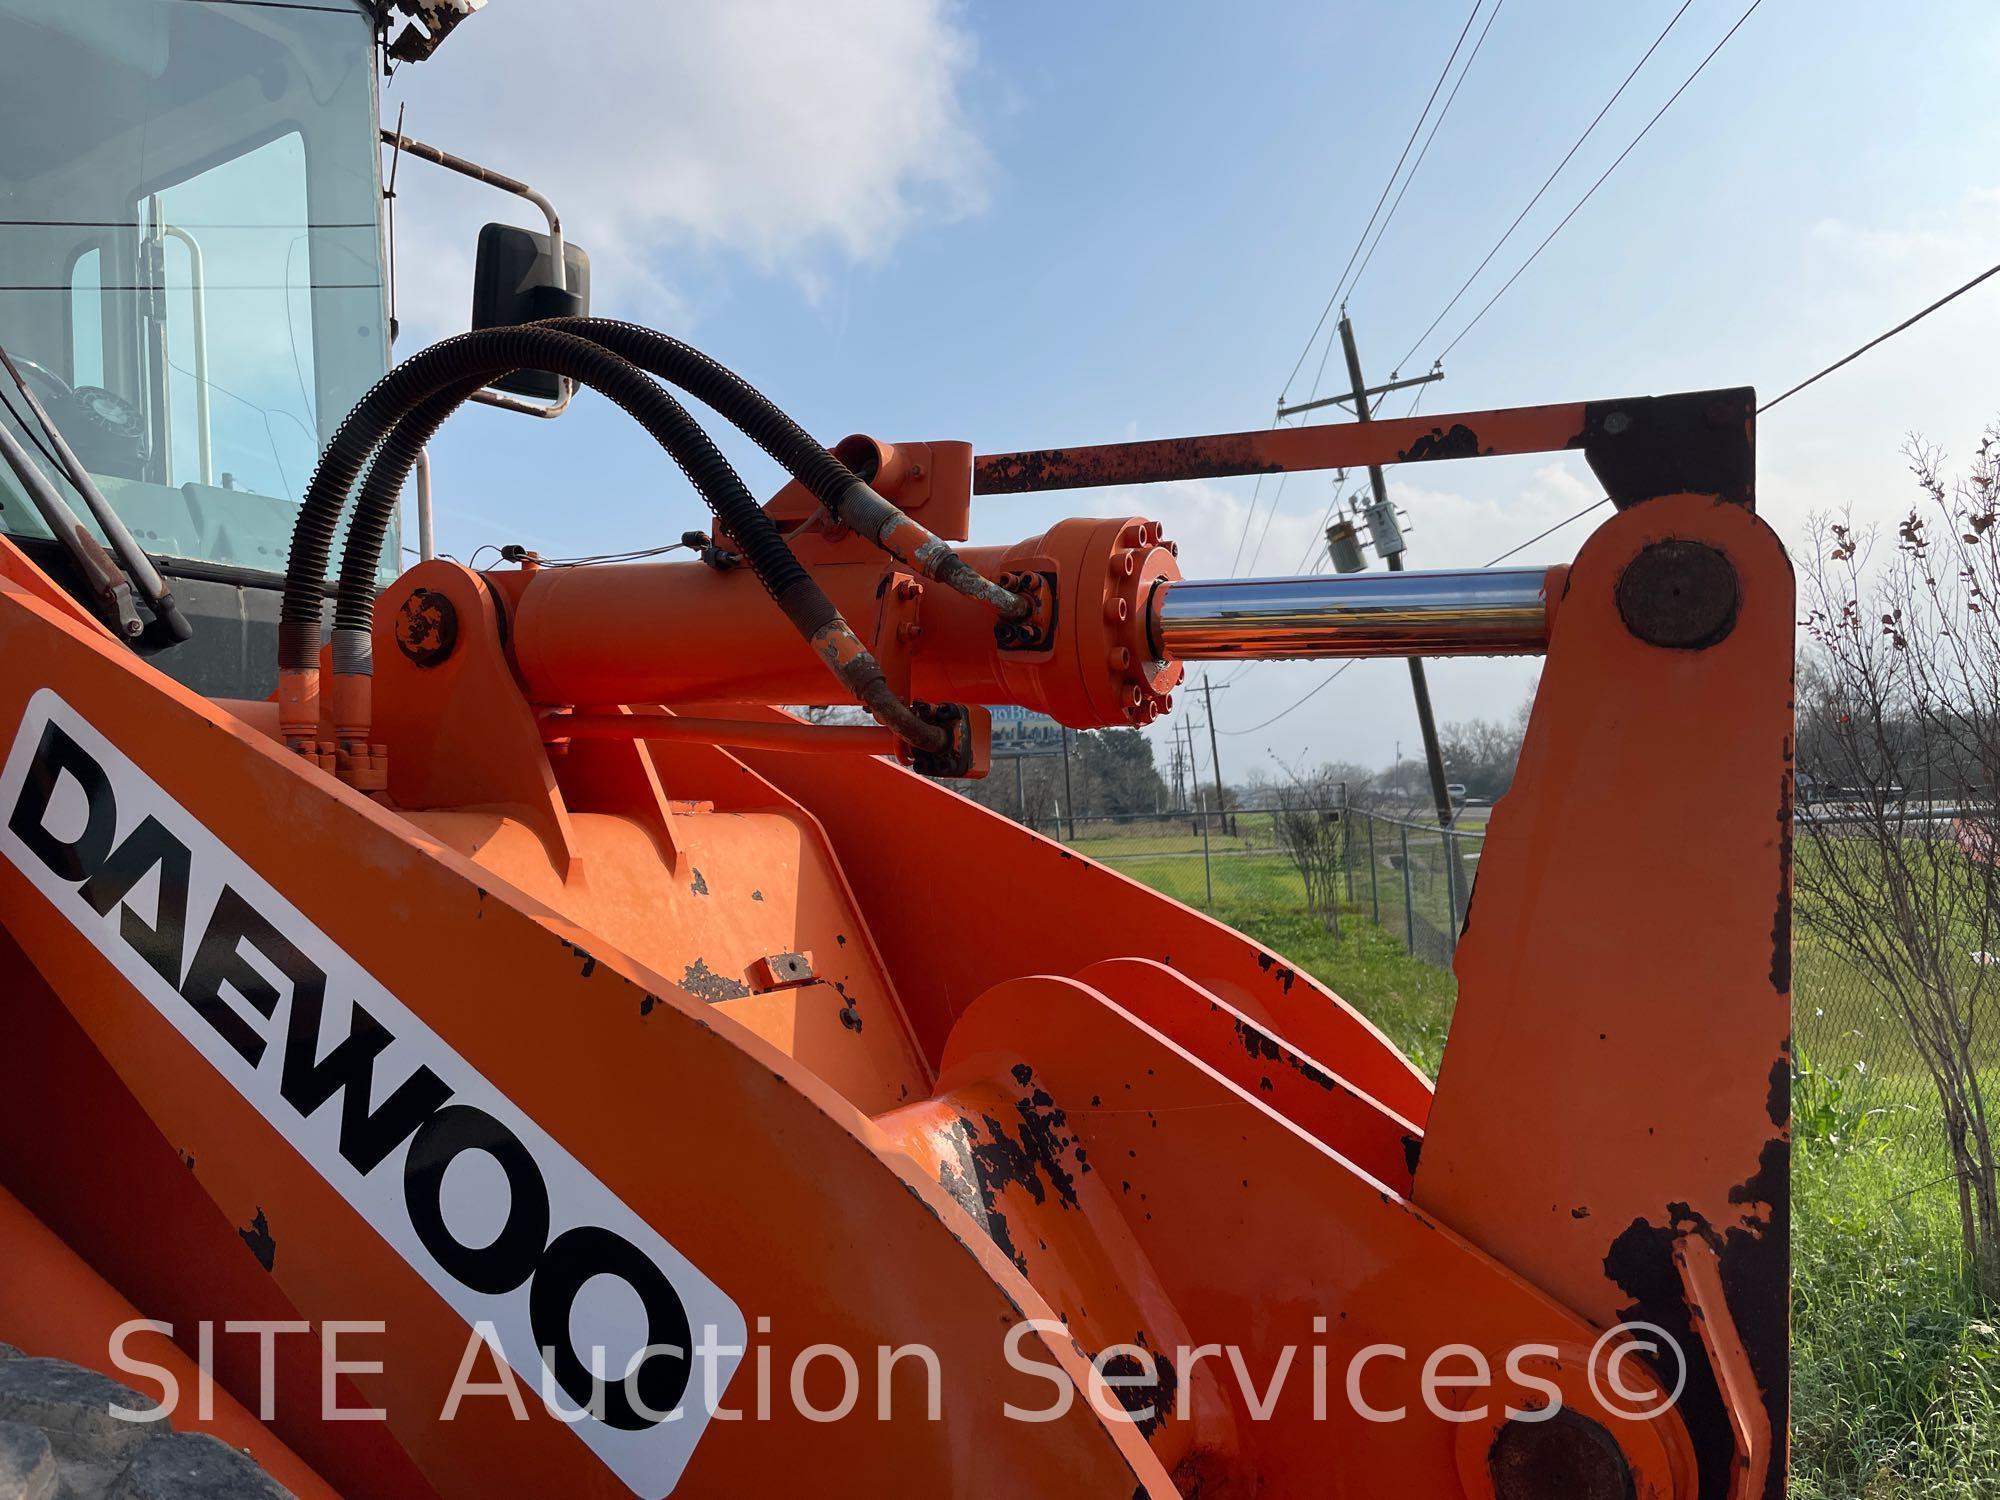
(1032, 223)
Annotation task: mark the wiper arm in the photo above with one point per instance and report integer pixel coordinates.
(101, 575)
(143, 577)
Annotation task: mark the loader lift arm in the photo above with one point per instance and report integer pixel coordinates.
(838, 1057)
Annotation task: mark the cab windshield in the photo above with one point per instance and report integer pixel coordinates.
(190, 268)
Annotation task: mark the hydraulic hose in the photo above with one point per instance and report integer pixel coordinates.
(433, 382)
(844, 493)
(368, 527)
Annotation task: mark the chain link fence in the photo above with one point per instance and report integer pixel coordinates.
(1860, 1082)
(1409, 877)
(1412, 878)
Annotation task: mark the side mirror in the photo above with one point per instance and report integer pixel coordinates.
(514, 281)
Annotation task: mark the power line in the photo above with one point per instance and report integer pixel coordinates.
(1471, 58)
(1538, 536)
(1327, 682)
(1270, 514)
(1497, 245)
(1644, 131)
(1881, 338)
(1327, 311)
(1576, 146)
(1250, 516)
(1986, 275)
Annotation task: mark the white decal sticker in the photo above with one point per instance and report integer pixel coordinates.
(509, 1228)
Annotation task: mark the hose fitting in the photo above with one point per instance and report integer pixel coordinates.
(403, 411)
(915, 546)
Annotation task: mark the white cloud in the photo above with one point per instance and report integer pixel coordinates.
(1840, 443)
(1955, 236)
(793, 135)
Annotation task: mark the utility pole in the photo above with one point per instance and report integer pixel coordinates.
(1419, 686)
(1069, 794)
(1194, 770)
(1214, 750)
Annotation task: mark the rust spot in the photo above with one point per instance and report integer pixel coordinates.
(1566, 1454)
(258, 1238)
(850, 1013)
(1460, 442)
(1260, 1047)
(1755, 1262)
(1781, 920)
(1035, 1159)
(1153, 1396)
(426, 627)
(1120, 463)
(704, 983)
(1270, 965)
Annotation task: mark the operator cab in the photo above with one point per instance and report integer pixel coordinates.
(191, 283)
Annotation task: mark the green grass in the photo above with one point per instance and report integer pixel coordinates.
(1242, 882)
(1896, 1367)
(1367, 967)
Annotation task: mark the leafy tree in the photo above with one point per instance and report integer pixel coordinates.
(1479, 754)
(1111, 773)
(1114, 773)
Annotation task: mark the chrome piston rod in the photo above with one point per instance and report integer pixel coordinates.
(1473, 612)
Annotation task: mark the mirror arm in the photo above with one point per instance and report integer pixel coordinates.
(505, 402)
(558, 250)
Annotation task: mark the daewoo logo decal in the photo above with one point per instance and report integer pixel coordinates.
(506, 1225)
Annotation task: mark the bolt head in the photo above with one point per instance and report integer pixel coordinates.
(1683, 595)
(426, 627)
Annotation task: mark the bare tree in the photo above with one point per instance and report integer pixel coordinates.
(1899, 760)
(1310, 823)
(1481, 753)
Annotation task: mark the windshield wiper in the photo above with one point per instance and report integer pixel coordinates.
(114, 588)
(101, 575)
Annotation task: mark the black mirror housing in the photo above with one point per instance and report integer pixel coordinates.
(513, 282)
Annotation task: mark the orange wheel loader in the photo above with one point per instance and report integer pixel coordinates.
(462, 1036)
